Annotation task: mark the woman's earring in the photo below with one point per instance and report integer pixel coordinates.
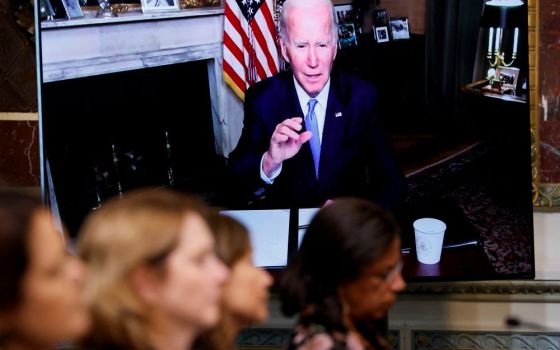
(345, 307)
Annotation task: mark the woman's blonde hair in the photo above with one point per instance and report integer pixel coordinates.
(141, 229)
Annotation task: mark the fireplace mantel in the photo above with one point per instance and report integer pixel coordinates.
(90, 46)
(134, 15)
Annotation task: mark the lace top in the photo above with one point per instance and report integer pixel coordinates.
(315, 337)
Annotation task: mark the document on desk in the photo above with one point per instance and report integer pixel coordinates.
(269, 233)
(304, 218)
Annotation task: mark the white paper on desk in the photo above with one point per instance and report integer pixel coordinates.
(269, 232)
(305, 217)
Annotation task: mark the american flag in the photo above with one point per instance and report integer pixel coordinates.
(250, 50)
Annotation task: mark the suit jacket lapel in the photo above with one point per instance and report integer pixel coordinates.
(290, 108)
(335, 121)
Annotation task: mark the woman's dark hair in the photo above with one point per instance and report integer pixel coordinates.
(342, 240)
(16, 215)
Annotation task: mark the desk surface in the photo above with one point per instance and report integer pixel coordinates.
(476, 88)
(467, 263)
(456, 263)
(465, 259)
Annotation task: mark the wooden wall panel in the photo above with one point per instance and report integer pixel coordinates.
(415, 10)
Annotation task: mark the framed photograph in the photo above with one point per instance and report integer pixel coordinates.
(508, 77)
(380, 18)
(347, 36)
(343, 14)
(154, 6)
(381, 34)
(399, 28)
(46, 10)
(72, 8)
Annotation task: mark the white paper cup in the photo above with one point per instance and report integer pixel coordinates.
(429, 233)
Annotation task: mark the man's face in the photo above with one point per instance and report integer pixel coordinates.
(310, 46)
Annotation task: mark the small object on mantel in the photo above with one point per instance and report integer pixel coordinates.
(494, 86)
(119, 8)
(187, 4)
(105, 9)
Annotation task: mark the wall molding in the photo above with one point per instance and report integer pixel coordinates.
(15, 116)
(486, 290)
(267, 338)
(423, 340)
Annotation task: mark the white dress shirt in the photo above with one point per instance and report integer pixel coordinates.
(320, 112)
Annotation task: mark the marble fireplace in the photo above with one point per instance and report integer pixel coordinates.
(113, 87)
(90, 46)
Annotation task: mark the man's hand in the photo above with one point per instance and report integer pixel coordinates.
(284, 144)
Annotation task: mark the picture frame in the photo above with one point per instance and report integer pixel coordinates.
(347, 36)
(399, 28)
(381, 34)
(156, 6)
(344, 14)
(46, 10)
(508, 77)
(380, 18)
(72, 9)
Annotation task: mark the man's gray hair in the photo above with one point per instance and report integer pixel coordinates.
(283, 30)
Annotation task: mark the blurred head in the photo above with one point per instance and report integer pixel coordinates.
(350, 255)
(245, 295)
(370, 296)
(151, 264)
(308, 40)
(37, 277)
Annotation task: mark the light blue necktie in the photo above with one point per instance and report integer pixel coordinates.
(315, 142)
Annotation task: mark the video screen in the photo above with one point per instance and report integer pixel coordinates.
(448, 152)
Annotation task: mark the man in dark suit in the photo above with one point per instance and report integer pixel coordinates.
(312, 134)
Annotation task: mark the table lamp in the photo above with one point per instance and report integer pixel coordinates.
(503, 19)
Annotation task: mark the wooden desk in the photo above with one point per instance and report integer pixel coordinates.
(460, 263)
(476, 88)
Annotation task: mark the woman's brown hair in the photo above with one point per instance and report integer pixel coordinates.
(232, 243)
(231, 237)
(16, 215)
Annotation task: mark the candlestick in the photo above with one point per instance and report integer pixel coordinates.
(116, 167)
(515, 37)
(170, 170)
(497, 47)
(491, 36)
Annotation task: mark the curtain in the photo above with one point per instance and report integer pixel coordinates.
(452, 28)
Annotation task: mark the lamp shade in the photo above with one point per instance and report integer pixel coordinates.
(504, 3)
(503, 16)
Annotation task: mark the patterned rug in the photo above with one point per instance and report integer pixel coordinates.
(498, 211)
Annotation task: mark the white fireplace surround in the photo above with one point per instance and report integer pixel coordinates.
(92, 46)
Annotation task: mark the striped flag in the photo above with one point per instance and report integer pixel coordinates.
(250, 50)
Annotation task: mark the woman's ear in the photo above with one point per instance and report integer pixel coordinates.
(341, 292)
(146, 282)
(6, 322)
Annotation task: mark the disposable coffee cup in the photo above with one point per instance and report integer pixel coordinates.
(428, 233)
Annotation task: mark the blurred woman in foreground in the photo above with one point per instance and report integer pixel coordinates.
(40, 283)
(344, 278)
(153, 279)
(245, 295)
